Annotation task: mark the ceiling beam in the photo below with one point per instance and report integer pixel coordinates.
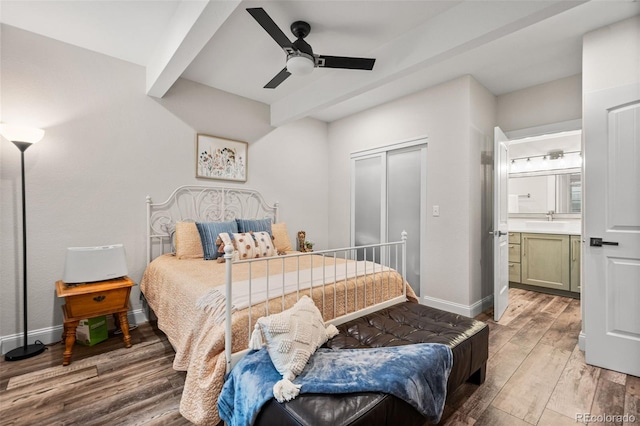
(458, 30)
(192, 26)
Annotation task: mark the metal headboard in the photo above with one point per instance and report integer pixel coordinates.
(199, 203)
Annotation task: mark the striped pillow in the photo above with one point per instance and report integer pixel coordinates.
(254, 225)
(209, 232)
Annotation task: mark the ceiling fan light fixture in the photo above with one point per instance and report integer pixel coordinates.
(300, 65)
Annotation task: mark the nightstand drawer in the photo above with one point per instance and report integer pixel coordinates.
(93, 304)
(514, 272)
(514, 253)
(514, 238)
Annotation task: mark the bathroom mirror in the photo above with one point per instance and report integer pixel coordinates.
(561, 193)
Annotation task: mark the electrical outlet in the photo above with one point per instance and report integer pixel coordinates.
(436, 211)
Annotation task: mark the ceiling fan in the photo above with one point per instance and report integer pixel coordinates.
(300, 57)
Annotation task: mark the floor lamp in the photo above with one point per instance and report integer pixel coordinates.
(23, 138)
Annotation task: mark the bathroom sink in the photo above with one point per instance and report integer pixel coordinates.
(544, 225)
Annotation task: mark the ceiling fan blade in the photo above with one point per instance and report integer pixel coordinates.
(279, 78)
(269, 26)
(346, 62)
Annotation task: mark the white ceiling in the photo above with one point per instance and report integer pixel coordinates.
(506, 45)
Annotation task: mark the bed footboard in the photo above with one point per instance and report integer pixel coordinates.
(345, 283)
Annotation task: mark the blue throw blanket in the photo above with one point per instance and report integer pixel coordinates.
(415, 373)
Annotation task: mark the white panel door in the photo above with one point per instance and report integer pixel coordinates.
(500, 224)
(611, 278)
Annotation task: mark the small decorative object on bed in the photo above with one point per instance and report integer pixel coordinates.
(219, 158)
(302, 237)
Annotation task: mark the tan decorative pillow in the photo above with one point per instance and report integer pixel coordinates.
(188, 243)
(281, 237)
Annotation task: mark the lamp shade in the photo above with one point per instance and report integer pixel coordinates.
(21, 133)
(299, 65)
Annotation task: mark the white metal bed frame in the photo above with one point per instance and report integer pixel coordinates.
(206, 203)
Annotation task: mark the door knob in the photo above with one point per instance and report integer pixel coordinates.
(497, 233)
(597, 242)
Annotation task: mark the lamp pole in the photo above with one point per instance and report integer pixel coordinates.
(26, 351)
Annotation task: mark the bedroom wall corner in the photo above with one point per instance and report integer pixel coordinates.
(441, 113)
(483, 113)
(295, 158)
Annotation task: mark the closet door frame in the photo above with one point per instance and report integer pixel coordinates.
(381, 152)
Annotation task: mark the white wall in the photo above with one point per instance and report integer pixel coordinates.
(548, 103)
(107, 145)
(443, 114)
(611, 56)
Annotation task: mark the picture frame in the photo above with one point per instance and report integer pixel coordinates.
(221, 158)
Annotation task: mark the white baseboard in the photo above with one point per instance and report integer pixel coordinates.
(54, 334)
(457, 308)
(582, 340)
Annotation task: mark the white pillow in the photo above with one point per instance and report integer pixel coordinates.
(245, 244)
(226, 240)
(264, 245)
(292, 336)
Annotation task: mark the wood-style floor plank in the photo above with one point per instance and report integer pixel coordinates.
(551, 418)
(536, 374)
(500, 368)
(526, 394)
(493, 416)
(608, 400)
(565, 329)
(576, 387)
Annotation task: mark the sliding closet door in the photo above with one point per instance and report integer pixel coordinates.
(405, 203)
(388, 197)
(367, 207)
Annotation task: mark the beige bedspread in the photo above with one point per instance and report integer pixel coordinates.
(176, 288)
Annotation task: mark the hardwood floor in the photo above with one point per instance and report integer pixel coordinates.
(536, 375)
(106, 384)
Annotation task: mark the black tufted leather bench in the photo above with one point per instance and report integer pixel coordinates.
(402, 324)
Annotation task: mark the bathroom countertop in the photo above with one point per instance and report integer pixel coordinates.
(569, 227)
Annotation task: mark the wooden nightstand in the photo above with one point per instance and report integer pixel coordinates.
(92, 300)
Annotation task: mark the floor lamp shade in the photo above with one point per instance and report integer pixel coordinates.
(13, 133)
(23, 138)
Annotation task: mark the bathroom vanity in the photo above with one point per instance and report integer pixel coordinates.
(546, 254)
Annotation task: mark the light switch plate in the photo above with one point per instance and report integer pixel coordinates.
(436, 211)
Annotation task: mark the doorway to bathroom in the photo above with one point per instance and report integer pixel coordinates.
(545, 212)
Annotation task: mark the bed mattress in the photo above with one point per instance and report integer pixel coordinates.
(402, 324)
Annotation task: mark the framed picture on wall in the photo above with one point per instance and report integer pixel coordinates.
(220, 158)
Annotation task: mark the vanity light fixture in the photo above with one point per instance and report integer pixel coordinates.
(555, 154)
(535, 163)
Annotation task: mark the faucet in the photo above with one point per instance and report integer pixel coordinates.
(550, 215)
